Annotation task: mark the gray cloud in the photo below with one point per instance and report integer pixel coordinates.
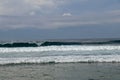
(23, 14)
(50, 22)
(26, 7)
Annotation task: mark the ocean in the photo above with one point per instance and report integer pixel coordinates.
(60, 51)
(89, 59)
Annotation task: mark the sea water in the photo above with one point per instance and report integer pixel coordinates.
(60, 52)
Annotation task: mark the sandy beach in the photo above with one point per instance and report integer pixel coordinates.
(65, 71)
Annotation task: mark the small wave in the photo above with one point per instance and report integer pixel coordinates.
(57, 43)
(60, 43)
(62, 59)
(59, 48)
(47, 43)
(19, 44)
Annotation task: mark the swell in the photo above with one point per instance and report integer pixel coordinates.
(19, 44)
(57, 43)
(47, 43)
(60, 43)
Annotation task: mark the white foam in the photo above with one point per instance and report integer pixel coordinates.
(59, 48)
(62, 59)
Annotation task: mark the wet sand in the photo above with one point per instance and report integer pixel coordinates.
(68, 71)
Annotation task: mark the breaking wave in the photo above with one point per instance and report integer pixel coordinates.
(60, 52)
(62, 59)
(59, 48)
(57, 43)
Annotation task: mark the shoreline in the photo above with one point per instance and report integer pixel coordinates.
(55, 63)
(64, 71)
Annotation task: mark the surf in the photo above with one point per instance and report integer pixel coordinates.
(57, 43)
(60, 48)
(61, 59)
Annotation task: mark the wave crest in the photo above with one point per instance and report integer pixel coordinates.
(57, 43)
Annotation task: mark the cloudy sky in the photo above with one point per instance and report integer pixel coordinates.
(59, 19)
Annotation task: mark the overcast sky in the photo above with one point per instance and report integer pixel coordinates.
(59, 19)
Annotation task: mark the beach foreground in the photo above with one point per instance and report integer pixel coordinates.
(64, 71)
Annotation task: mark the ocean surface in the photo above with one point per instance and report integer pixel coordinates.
(60, 51)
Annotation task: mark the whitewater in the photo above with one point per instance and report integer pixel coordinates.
(60, 54)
